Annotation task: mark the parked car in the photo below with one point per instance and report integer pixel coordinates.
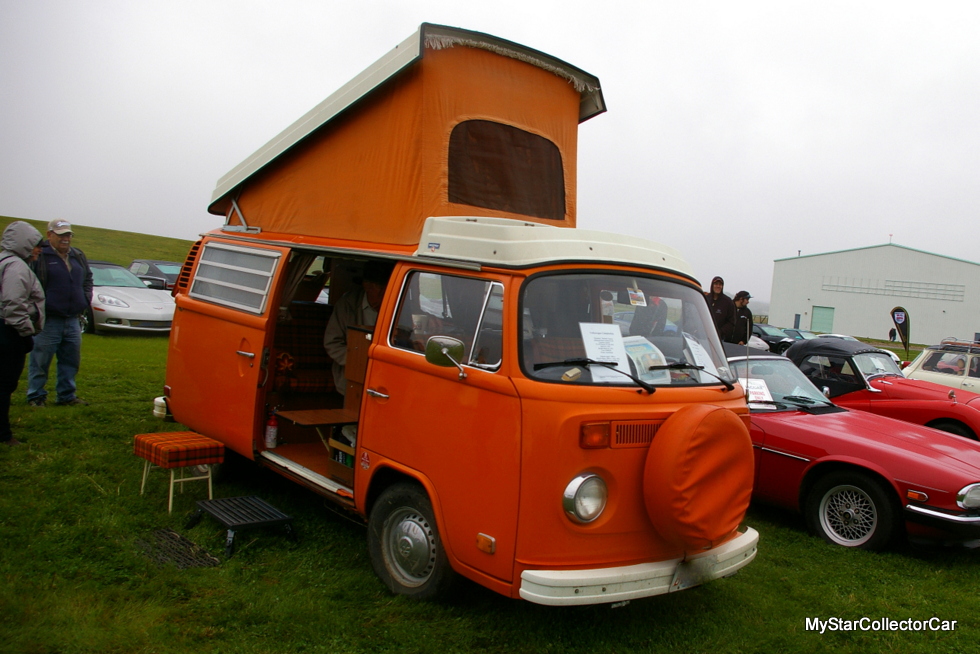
(859, 376)
(775, 338)
(152, 271)
(845, 337)
(799, 334)
(122, 302)
(857, 478)
(951, 363)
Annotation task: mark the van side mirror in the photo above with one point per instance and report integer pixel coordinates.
(445, 352)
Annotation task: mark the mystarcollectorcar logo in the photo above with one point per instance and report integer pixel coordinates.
(879, 624)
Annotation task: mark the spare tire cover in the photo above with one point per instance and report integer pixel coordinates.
(698, 477)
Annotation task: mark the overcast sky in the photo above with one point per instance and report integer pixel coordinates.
(737, 132)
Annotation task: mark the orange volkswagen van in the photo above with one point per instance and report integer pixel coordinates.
(542, 409)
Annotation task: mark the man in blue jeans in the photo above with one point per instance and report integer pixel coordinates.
(65, 275)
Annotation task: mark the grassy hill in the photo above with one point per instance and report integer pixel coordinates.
(117, 246)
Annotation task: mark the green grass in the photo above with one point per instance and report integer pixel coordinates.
(75, 580)
(73, 577)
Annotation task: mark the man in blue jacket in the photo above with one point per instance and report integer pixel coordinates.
(65, 275)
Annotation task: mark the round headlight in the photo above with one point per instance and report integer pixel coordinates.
(585, 498)
(969, 497)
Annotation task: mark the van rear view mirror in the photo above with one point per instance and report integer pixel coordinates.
(445, 351)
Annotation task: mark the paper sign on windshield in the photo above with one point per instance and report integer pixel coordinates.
(645, 354)
(757, 388)
(605, 343)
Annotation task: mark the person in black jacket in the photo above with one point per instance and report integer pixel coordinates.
(722, 309)
(743, 318)
(65, 275)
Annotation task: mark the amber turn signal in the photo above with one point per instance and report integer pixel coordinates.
(917, 496)
(595, 435)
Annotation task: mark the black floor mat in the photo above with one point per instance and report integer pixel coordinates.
(166, 546)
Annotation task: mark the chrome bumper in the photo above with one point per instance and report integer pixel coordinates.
(602, 585)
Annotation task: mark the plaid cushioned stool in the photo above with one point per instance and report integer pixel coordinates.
(178, 449)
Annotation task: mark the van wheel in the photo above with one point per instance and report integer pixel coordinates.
(852, 510)
(404, 543)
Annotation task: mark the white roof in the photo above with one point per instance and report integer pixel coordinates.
(406, 53)
(513, 243)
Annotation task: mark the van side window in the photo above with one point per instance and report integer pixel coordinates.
(445, 305)
(234, 276)
(501, 167)
(488, 347)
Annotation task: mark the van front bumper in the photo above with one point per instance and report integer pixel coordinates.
(602, 585)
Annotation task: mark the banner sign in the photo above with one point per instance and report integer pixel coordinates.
(901, 319)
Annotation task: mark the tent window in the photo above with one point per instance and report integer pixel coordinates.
(501, 167)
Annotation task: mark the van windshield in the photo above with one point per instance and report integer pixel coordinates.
(652, 329)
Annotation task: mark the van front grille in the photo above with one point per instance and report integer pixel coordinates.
(634, 433)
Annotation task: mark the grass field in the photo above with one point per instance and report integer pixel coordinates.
(75, 577)
(78, 570)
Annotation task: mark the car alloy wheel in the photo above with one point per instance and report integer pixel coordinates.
(852, 510)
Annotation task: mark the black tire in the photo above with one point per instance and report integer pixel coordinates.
(851, 509)
(405, 547)
(955, 428)
(89, 322)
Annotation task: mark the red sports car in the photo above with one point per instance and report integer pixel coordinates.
(862, 377)
(860, 480)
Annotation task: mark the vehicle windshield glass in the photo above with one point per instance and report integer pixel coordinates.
(629, 321)
(876, 363)
(115, 276)
(776, 384)
(169, 268)
(773, 331)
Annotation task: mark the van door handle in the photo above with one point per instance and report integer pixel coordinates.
(374, 393)
(250, 355)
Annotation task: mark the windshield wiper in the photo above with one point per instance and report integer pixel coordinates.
(611, 365)
(690, 366)
(802, 399)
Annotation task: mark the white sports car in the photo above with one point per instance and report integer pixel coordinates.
(122, 302)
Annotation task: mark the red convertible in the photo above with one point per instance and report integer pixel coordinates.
(860, 480)
(858, 376)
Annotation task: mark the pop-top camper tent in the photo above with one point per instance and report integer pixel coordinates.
(449, 123)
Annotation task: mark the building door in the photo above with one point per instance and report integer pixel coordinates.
(822, 319)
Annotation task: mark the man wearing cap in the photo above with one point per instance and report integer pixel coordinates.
(65, 275)
(722, 309)
(743, 318)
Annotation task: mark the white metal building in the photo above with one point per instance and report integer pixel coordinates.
(853, 292)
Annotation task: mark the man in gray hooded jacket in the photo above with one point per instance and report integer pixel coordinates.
(21, 310)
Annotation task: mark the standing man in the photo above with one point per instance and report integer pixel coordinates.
(67, 281)
(743, 318)
(722, 309)
(21, 312)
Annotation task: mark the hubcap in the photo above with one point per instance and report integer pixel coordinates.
(848, 515)
(409, 547)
